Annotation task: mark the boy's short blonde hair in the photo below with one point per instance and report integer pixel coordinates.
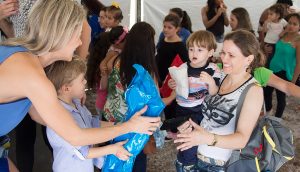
(203, 39)
(62, 72)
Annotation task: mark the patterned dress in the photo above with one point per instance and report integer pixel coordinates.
(115, 106)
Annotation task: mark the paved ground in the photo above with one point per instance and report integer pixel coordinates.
(162, 161)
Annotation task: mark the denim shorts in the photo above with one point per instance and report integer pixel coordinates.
(199, 167)
(181, 168)
(207, 167)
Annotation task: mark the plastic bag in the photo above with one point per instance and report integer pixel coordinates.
(180, 75)
(141, 91)
(165, 90)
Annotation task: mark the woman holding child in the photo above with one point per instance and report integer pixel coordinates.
(217, 135)
(53, 34)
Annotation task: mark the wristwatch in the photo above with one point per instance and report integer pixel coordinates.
(214, 142)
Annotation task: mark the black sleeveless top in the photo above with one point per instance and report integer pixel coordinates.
(218, 27)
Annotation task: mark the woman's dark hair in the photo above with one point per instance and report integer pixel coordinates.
(97, 54)
(297, 15)
(184, 17)
(211, 4)
(288, 2)
(173, 19)
(249, 45)
(117, 34)
(93, 6)
(139, 48)
(243, 19)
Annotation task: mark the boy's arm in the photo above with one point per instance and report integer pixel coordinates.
(116, 149)
(106, 124)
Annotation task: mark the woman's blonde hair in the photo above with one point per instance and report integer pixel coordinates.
(50, 26)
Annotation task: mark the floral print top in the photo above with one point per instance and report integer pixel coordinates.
(115, 106)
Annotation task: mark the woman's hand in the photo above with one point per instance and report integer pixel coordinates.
(8, 8)
(143, 124)
(197, 137)
(120, 151)
(220, 11)
(185, 127)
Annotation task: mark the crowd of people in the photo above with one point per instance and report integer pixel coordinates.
(48, 48)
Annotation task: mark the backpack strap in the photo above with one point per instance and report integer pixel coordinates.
(241, 102)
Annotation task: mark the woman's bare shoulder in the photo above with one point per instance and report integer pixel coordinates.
(23, 62)
(19, 73)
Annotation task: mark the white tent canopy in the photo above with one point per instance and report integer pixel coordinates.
(154, 11)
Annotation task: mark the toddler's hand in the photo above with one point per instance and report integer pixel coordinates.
(205, 77)
(172, 84)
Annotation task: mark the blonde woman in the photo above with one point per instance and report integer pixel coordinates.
(54, 29)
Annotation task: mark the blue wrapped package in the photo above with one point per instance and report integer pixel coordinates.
(141, 91)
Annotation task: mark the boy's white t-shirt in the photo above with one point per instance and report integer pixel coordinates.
(274, 29)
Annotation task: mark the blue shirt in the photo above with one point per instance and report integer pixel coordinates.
(95, 27)
(12, 113)
(68, 158)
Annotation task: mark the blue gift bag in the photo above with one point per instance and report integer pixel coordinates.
(141, 91)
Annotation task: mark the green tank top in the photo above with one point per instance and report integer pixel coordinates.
(284, 59)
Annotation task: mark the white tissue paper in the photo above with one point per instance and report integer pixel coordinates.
(179, 74)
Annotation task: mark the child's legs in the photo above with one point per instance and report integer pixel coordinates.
(170, 110)
(195, 113)
(188, 157)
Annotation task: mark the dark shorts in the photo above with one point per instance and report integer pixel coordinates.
(4, 165)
